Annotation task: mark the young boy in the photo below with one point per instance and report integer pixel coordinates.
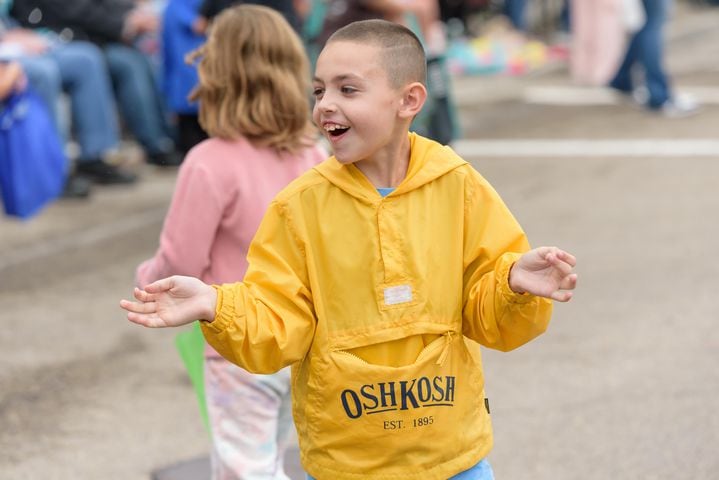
(368, 274)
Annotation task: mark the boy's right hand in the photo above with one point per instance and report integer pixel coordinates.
(172, 302)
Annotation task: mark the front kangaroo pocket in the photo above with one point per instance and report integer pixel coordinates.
(368, 417)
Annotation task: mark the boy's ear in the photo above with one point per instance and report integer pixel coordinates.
(413, 97)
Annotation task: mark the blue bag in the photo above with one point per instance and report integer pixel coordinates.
(33, 166)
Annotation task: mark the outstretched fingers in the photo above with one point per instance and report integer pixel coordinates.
(139, 307)
(144, 319)
(554, 258)
(143, 296)
(143, 312)
(564, 263)
(562, 296)
(160, 286)
(567, 284)
(566, 257)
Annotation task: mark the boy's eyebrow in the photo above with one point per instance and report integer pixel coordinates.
(340, 78)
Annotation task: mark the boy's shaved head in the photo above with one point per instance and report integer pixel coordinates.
(402, 54)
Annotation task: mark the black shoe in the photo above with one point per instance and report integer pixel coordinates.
(104, 173)
(165, 159)
(76, 187)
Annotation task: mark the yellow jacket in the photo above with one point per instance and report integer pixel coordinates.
(372, 300)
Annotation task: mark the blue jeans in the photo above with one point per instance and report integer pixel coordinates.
(515, 10)
(647, 48)
(481, 471)
(78, 69)
(138, 97)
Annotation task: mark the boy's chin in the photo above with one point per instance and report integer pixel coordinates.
(345, 159)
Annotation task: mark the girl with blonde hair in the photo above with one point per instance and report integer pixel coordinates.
(253, 94)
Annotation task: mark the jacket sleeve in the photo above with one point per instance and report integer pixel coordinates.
(493, 315)
(188, 233)
(267, 321)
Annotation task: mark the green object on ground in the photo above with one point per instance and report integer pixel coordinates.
(191, 346)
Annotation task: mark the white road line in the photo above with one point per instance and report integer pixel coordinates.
(587, 96)
(587, 148)
(91, 236)
(570, 96)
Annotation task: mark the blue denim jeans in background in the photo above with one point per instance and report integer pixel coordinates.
(515, 10)
(481, 471)
(647, 49)
(139, 97)
(77, 68)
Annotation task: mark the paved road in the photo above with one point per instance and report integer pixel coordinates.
(623, 385)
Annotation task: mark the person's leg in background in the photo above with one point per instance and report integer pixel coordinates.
(647, 48)
(43, 76)
(94, 120)
(623, 80)
(651, 51)
(140, 102)
(515, 10)
(189, 132)
(565, 16)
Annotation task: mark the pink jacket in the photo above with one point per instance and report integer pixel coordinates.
(223, 188)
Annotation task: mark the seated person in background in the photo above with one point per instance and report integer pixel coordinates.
(114, 25)
(77, 69)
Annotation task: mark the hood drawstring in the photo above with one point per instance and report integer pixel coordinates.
(445, 350)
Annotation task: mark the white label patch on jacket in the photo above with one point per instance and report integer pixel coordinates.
(398, 294)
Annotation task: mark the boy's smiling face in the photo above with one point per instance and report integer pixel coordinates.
(356, 106)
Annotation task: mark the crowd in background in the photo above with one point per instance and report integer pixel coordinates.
(113, 69)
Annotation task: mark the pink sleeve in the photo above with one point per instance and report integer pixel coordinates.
(188, 233)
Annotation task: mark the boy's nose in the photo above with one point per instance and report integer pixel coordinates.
(325, 104)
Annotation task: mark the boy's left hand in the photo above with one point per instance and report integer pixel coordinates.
(545, 272)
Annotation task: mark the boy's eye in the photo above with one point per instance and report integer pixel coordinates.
(317, 91)
(348, 89)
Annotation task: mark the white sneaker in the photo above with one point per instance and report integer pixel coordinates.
(680, 106)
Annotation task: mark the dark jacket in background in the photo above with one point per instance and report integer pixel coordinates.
(210, 9)
(98, 21)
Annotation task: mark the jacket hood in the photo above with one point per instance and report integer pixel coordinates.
(428, 161)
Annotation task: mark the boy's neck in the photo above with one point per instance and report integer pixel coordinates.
(389, 167)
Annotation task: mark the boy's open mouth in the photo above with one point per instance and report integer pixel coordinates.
(335, 130)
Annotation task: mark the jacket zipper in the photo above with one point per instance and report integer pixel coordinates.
(440, 360)
(354, 356)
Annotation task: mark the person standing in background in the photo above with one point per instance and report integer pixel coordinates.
(253, 84)
(646, 48)
(178, 77)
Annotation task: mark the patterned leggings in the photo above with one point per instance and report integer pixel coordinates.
(251, 420)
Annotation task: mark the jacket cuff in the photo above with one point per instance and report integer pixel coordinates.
(224, 309)
(504, 265)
